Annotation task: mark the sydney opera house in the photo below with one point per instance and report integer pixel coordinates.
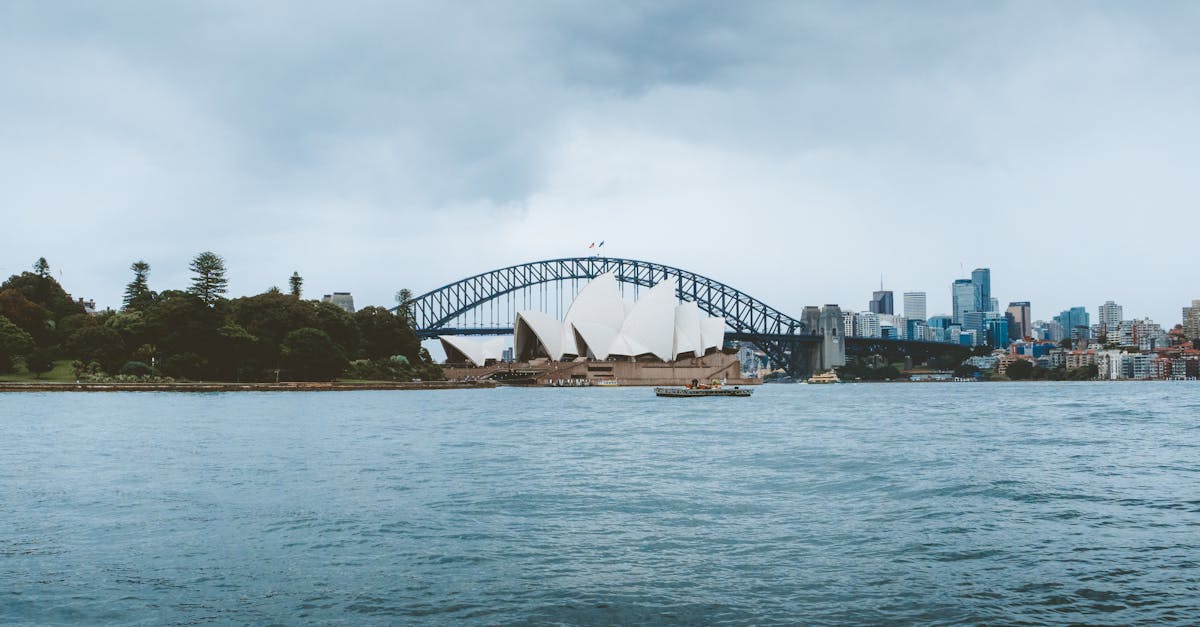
(651, 341)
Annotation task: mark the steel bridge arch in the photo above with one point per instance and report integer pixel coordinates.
(746, 315)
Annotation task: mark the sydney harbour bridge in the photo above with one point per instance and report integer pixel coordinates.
(486, 304)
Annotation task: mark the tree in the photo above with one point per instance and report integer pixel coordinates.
(1020, 370)
(296, 283)
(340, 326)
(99, 344)
(137, 293)
(40, 361)
(185, 366)
(180, 322)
(41, 268)
(44, 291)
(309, 355)
(210, 282)
(26, 314)
(385, 335)
(14, 342)
(404, 305)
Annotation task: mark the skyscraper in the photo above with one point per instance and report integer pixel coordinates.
(982, 278)
(997, 332)
(963, 295)
(882, 302)
(1022, 323)
(1110, 316)
(1191, 320)
(1075, 323)
(914, 305)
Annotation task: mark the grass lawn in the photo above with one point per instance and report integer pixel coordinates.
(62, 372)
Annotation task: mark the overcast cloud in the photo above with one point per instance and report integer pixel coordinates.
(794, 150)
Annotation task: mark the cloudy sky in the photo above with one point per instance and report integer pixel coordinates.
(794, 150)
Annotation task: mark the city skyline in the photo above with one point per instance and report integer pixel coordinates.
(406, 160)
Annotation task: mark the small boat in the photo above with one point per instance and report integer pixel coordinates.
(824, 377)
(607, 383)
(716, 388)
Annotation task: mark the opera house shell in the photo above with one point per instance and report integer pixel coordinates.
(600, 325)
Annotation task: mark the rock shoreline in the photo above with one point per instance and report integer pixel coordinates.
(35, 386)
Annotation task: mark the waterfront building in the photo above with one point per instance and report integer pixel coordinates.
(1141, 366)
(1021, 321)
(753, 361)
(914, 305)
(341, 299)
(1057, 357)
(962, 295)
(882, 303)
(1191, 320)
(984, 362)
(1080, 358)
(1110, 316)
(1109, 365)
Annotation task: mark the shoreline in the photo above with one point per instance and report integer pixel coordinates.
(306, 386)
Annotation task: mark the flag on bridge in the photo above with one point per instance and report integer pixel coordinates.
(601, 245)
(592, 245)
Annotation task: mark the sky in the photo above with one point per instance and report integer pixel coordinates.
(797, 151)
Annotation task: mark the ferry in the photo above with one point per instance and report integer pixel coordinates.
(824, 377)
(714, 388)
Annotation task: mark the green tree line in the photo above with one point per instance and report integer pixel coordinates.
(199, 334)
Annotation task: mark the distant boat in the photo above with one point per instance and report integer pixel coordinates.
(824, 377)
(715, 388)
(607, 383)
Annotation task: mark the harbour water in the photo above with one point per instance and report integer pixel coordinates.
(1035, 503)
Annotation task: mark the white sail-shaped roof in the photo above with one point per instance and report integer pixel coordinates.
(478, 352)
(712, 332)
(601, 324)
(689, 341)
(533, 329)
(596, 338)
(651, 324)
(598, 304)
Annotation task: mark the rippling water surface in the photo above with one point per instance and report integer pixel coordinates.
(932, 503)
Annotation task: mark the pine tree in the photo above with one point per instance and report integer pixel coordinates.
(404, 304)
(210, 282)
(297, 283)
(137, 293)
(41, 267)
